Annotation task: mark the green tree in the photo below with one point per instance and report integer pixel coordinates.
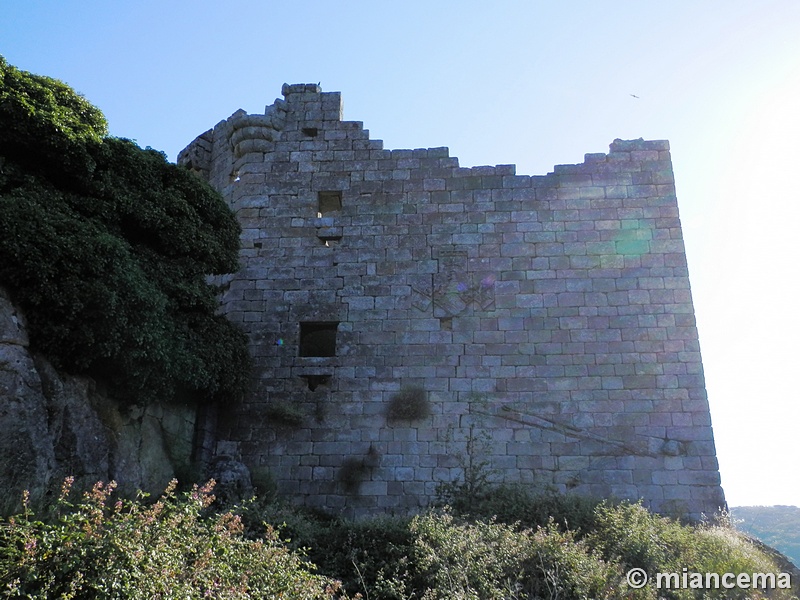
(106, 247)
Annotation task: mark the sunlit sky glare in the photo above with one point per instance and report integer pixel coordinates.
(531, 83)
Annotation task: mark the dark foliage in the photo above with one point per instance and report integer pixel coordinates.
(511, 504)
(182, 547)
(409, 404)
(46, 127)
(106, 248)
(525, 552)
(371, 556)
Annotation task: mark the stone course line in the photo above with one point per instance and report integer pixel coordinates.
(550, 315)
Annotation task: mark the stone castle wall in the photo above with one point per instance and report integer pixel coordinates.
(409, 318)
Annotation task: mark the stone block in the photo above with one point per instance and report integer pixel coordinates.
(563, 296)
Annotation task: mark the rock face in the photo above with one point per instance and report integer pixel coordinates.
(232, 477)
(54, 425)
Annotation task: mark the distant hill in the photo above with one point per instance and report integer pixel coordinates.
(776, 526)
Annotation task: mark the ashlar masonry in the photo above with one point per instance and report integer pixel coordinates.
(410, 319)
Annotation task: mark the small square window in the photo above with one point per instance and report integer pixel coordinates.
(318, 338)
(329, 203)
(310, 131)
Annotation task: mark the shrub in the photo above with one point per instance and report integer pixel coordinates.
(635, 537)
(128, 549)
(486, 559)
(441, 554)
(512, 504)
(373, 556)
(106, 247)
(370, 556)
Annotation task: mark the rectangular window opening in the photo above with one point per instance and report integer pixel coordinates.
(310, 131)
(318, 338)
(329, 204)
(330, 241)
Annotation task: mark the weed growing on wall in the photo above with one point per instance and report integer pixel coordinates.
(284, 413)
(352, 473)
(409, 404)
(475, 482)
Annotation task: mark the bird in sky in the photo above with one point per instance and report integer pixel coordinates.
(635, 96)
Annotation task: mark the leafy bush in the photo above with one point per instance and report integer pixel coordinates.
(370, 556)
(441, 555)
(486, 559)
(635, 537)
(512, 504)
(46, 126)
(106, 248)
(374, 556)
(177, 548)
(128, 549)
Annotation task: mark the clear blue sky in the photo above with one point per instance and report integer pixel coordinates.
(531, 83)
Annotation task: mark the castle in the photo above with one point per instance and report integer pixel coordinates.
(413, 322)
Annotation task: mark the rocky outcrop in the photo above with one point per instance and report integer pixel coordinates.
(234, 483)
(53, 425)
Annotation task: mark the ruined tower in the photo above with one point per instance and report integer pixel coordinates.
(409, 318)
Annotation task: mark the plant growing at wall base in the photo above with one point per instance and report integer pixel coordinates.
(475, 483)
(355, 470)
(352, 473)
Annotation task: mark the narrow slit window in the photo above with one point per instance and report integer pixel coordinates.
(330, 240)
(318, 338)
(329, 203)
